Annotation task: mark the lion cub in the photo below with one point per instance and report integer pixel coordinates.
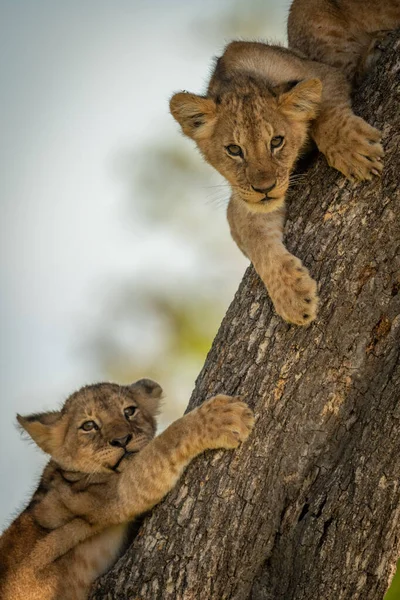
(346, 34)
(105, 469)
(263, 106)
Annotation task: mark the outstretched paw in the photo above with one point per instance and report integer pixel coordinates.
(294, 292)
(226, 421)
(356, 150)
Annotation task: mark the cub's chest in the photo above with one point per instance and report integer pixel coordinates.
(96, 555)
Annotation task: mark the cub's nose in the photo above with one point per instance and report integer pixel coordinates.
(121, 442)
(264, 190)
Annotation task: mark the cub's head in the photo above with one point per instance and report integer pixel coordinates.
(251, 133)
(98, 426)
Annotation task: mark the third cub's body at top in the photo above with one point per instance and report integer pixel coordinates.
(263, 106)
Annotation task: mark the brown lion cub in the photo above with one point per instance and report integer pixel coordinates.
(264, 105)
(346, 34)
(105, 470)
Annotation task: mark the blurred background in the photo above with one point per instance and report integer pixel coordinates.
(116, 257)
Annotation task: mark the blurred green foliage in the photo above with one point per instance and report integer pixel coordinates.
(394, 591)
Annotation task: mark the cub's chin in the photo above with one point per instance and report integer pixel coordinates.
(265, 206)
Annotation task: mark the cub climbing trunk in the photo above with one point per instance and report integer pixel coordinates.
(309, 506)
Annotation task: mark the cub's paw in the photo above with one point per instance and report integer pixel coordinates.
(225, 421)
(356, 150)
(294, 292)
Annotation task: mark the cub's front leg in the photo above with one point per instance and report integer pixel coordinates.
(350, 144)
(145, 478)
(292, 290)
(259, 236)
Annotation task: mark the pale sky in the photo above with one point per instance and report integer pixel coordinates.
(79, 82)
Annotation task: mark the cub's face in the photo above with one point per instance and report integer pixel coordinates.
(252, 135)
(98, 427)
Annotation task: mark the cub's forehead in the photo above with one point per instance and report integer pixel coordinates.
(251, 117)
(102, 396)
(244, 106)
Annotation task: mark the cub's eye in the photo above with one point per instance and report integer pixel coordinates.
(277, 141)
(234, 150)
(89, 426)
(129, 411)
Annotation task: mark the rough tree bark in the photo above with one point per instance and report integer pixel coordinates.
(310, 507)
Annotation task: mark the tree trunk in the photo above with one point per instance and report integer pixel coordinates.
(309, 507)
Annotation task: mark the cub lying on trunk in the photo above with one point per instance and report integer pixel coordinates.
(263, 106)
(346, 34)
(105, 470)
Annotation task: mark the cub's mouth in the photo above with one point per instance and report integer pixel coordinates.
(278, 194)
(269, 199)
(265, 205)
(121, 458)
(140, 442)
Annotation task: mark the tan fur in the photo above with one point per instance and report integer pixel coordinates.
(98, 481)
(345, 34)
(259, 94)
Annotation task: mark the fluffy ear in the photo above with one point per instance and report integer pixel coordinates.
(195, 114)
(301, 102)
(45, 429)
(149, 393)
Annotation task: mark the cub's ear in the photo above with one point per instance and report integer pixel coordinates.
(195, 114)
(46, 429)
(301, 102)
(150, 393)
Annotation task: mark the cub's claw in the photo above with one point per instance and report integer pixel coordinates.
(226, 421)
(357, 151)
(294, 292)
